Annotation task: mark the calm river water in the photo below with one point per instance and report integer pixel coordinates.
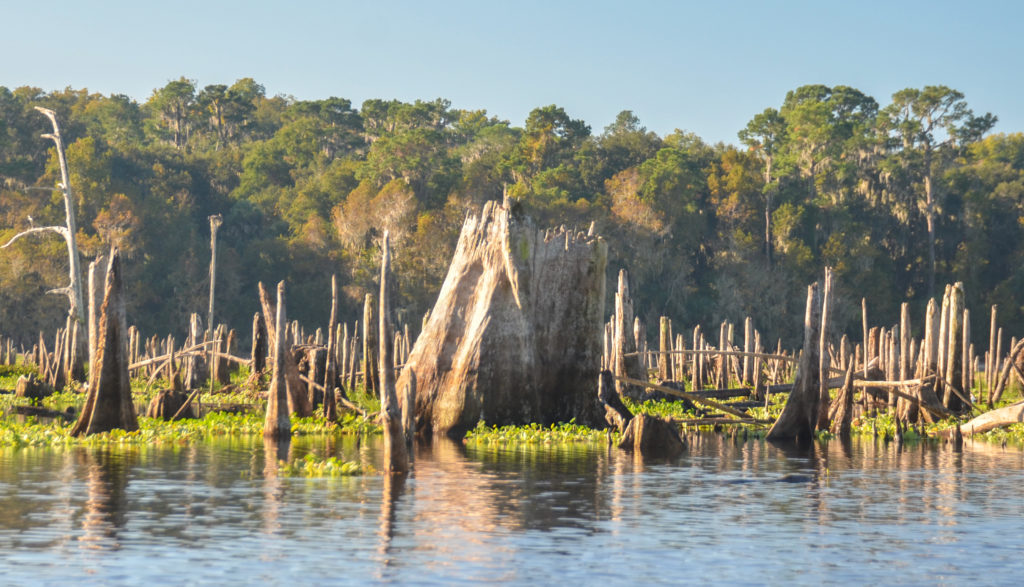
(725, 512)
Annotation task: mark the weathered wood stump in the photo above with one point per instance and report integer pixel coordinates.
(800, 416)
(108, 404)
(167, 404)
(29, 386)
(652, 437)
(615, 412)
(396, 452)
(516, 333)
(298, 400)
(277, 423)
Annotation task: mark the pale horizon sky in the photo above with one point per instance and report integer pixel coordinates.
(699, 66)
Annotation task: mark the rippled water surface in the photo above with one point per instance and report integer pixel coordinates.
(726, 511)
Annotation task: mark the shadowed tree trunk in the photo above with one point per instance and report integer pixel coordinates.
(108, 404)
(258, 362)
(651, 437)
(516, 333)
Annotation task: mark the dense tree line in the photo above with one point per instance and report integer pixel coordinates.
(900, 199)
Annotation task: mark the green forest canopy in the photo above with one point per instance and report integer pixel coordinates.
(900, 199)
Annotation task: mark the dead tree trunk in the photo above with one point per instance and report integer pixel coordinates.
(298, 400)
(108, 404)
(258, 360)
(70, 229)
(278, 424)
(841, 410)
(396, 455)
(371, 381)
(800, 415)
(516, 333)
(626, 362)
(331, 367)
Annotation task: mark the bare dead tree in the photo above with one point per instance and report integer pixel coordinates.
(74, 288)
(215, 221)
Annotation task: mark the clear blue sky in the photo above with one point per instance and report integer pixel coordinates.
(707, 67)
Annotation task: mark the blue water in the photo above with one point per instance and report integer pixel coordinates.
(723, 512)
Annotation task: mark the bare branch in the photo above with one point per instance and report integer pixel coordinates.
(58, 229)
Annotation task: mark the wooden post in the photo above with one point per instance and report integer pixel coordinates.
(396, 455)
(748, 344)
(823, 356)
(258, 358)
(864, 325)
(943, 343)
(990, 357)
(758, 378)
(215, 221)
(353, 348)
(624, 344)
(678, 360)
(664, 346)
(278, 423)
(954, 364)
(370, 381)
(330, 367)
(966, 350)
(697, 373)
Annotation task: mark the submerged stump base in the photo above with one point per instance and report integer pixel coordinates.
(29, 386)
(167, 404)
(652, 437)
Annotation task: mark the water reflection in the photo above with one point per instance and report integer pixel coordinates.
(391, 492)
(734, 510)
(274, 451)
(106, 508)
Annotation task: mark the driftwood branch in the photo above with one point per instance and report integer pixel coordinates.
(693, 398)
(60, 230)
(345, 402)
(1011, 414)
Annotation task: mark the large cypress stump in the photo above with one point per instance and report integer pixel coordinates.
(108, 404)
(516, 333)
(801, 415)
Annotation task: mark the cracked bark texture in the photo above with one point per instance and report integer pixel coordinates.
(517, 330)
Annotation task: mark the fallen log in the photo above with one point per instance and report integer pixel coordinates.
(1011, 414)
(740, 391)
(719, 421)
(686, 395)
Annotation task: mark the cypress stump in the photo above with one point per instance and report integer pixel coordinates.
(108, 404)
(516, 333)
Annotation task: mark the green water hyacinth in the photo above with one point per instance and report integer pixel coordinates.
(313, 466)
(153, 432)
(535, 434)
